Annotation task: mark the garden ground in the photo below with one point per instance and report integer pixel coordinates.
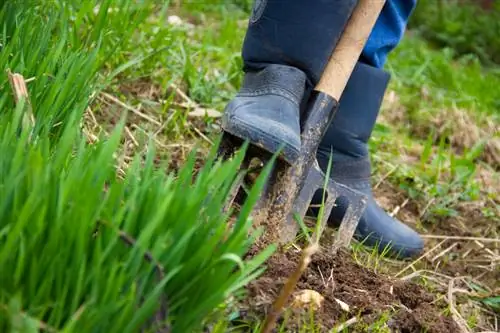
(435, 152)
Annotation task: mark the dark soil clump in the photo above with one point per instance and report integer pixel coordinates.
(406, 306)
(424, 318)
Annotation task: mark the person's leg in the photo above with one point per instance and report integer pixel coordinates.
(388, 31)
(346, 139)
(287, 45)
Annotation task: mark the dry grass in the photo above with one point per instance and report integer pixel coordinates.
(146, 124)
(462, 128)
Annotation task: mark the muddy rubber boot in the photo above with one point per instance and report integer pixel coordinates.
(347, 139)
(286, 48)
(266, 110)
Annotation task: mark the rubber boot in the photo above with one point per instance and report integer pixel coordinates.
(346, 142)
(286, 48)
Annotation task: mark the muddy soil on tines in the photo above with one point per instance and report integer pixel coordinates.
(408, 307)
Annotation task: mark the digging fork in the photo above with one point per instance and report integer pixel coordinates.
(290, 188)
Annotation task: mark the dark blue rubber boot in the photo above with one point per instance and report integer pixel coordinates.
(347, 139)
(286, 48)
(266, 110)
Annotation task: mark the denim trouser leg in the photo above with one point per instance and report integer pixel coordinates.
(388, 31)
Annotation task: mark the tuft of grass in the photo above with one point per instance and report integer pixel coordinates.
(80, 247)
(62, 47)
(83, 248)
(48, 62)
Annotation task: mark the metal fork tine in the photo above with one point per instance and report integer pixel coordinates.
(356, 208)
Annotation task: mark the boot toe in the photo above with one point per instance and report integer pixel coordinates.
(271, 122)
(377, 228)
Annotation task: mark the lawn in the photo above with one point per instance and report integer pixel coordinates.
(107, 164)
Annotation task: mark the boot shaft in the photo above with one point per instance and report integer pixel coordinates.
(296, 33)
(359, 106)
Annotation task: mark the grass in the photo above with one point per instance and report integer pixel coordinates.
(436, 154)
(84, 248)
(416, 67)
(460, 25)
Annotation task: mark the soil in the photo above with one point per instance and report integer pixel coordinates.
(408, 307)
(373, 298)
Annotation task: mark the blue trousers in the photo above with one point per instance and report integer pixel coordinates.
(388, 31)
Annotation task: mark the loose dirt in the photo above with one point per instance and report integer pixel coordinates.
(407, 307)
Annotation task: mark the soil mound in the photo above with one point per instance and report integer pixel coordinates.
(371, 298)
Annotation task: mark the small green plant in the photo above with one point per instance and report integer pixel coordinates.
(486, 297)
(380, 325)
(444, 179)
(493, 302)
(83, 249)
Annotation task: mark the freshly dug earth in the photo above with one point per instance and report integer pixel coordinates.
(372, 298)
